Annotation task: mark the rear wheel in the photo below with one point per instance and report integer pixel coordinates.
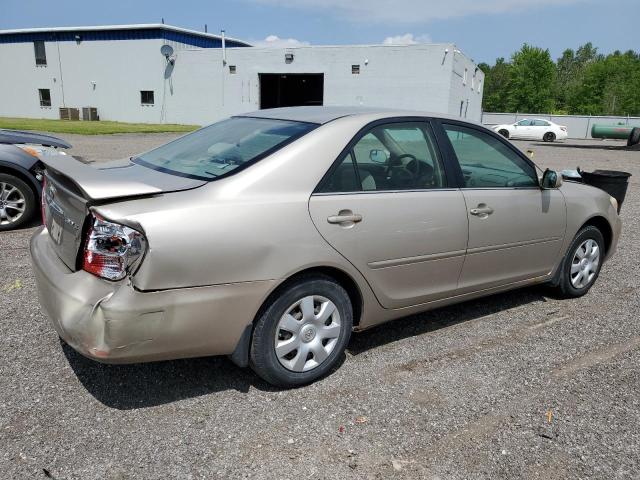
(581, 266)
(17, 202)
(549, 137)
(302, 333)
(504, 133)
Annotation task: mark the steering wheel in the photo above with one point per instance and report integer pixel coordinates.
(404, 175)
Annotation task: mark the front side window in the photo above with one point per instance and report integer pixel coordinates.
(45, 97)
(223, 147)
(395, 156)
(40, 52)
(524, 123)
(486, 162)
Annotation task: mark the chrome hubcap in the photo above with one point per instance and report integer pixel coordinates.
(307, 333)
(585, 264)
(12, 204)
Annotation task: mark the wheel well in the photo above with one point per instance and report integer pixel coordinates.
(601, 224)
(504, 132)
(21, 176)
(336, 274)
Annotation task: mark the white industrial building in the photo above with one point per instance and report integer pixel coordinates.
(126, 74)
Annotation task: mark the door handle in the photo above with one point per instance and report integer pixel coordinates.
(345, 217)
(481, 210)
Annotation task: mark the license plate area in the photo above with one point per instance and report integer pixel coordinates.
(56, 230)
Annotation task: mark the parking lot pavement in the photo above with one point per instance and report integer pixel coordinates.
(518, 385)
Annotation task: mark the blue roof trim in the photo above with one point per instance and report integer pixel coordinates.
(140, 34)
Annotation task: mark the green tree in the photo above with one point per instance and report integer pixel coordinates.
(580, 82)
(495, 86)
(611, 86)
(531, 80)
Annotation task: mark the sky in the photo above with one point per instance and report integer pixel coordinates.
(483, 29)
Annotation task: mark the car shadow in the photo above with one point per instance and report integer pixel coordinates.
(127, 387)
(440, 318)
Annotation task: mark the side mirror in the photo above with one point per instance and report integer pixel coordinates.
(378, 156)
(550, 179)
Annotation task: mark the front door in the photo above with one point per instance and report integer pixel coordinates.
(516, 229)
(386, 206)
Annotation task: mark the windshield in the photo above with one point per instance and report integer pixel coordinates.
(223, 147)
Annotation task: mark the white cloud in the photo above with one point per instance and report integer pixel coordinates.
(412, 11)
(274, 41)
(406, 39)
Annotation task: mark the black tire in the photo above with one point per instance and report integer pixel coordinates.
(29, 202)
(565, 288)
(263, 358)
(549, 137)
(634, 137)
(504, 133)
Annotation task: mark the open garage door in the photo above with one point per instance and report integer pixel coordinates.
(291, 89)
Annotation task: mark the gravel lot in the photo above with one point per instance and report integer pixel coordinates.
(517, 385)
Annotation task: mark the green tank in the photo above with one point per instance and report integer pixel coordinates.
(619, 132)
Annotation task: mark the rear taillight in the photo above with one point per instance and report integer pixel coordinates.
(564, 129)
(112, 250)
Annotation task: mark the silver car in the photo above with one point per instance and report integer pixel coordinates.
(271, 236)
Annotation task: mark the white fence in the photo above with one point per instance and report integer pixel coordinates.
(578, 126)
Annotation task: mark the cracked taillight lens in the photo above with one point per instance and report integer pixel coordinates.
(112, 250)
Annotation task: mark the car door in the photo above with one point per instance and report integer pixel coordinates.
(389, 207)
(516, 229)
(540, 127)
(522, 130)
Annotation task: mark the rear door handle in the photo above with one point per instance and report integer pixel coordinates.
(481, 210)
(345, 217)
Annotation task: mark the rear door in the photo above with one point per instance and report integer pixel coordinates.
(390, 207)
(516, 229)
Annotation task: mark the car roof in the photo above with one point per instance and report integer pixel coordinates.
(325, 114)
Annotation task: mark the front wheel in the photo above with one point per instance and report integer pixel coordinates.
(504, 133)
(549, 137)
(303, 332)
(582, 265)
(17, 202)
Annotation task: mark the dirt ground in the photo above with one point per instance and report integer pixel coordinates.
(518, 385)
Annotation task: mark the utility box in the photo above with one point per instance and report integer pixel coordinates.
(90, 114)
(67, 113)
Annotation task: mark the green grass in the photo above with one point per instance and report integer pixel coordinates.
(89, 128)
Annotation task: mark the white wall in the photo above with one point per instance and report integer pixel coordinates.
(467, 84)
(200, 90)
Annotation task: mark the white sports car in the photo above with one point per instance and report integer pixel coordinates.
(533, 129)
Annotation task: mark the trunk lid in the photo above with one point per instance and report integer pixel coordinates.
(73, 187)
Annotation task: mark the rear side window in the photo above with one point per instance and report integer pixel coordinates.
(389, 157)
(541, 123)
(486, 162)
(223, 147)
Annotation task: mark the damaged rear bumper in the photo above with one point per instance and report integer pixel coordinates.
(113, 322)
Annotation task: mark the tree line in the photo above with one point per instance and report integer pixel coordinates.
(581, 82)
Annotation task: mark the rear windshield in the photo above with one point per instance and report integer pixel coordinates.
(223, 147)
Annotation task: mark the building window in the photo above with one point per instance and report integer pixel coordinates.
(355, 69)
(464, 79)
(41, 53)
(146, 97)
(232, 69)
(45, 97)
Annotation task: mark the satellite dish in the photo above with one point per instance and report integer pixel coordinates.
(166, 50)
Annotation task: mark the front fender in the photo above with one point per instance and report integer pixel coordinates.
(22, 172)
